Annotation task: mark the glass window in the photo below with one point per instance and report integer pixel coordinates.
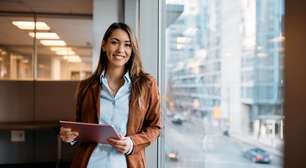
(69, 58)
(224, 84)
(61, 48)
(16, 48)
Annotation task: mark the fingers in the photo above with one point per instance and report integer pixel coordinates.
(67, 135)
(121, 145)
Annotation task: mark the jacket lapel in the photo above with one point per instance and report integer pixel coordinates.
(96, 89)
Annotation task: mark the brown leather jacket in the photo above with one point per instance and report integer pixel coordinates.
(143, 124)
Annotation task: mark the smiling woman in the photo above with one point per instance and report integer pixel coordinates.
(125, 97)
(118, 49)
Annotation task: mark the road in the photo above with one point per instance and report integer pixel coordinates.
(201, 147)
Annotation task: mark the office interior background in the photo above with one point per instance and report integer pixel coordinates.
(230, 74)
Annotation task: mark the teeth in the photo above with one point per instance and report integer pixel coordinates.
(119, 57)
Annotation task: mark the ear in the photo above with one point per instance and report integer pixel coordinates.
(103, 46)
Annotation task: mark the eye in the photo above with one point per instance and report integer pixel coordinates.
(128, 45)
(114, 42)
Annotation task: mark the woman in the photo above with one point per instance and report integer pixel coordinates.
(119, 93)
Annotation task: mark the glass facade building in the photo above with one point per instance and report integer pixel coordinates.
(224, 67)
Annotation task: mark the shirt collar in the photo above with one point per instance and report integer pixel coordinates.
(126, 77)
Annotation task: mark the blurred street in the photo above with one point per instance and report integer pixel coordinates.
(199, 146)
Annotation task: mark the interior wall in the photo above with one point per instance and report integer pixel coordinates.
(55, 100)
(34, 107)
(295, 82)
(149, 40)
(16, 101)
(28, 101)
(105, 12)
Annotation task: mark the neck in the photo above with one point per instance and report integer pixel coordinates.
(115, 74)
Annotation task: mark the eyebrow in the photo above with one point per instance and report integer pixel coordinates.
(114, 38)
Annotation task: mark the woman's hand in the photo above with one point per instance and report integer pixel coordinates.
(123, 145)
(67, 135)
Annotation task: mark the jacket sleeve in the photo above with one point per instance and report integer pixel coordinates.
(78, 101)
(152, 121)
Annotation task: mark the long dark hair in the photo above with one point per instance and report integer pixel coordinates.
(133, 66)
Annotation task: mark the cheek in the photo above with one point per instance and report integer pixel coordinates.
(109, 53)
(129, 53)
(129, 56)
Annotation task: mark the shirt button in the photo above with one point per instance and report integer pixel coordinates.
(114, 102)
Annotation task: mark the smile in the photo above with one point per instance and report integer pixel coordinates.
(119, 56)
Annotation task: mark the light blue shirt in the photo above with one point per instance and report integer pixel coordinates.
(114, 110)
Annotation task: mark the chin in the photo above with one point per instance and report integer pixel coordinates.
(117, 65)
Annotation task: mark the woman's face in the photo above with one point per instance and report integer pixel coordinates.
(118, 48)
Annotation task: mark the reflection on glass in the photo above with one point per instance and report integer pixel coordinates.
(63, 48)
(69, 56)
(15, 50)
(44, 35)
(30, 25)
(224, 84)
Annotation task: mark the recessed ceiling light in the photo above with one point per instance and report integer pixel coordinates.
(61, 49)
(29, 25)
(25, 61)
(53, 42)
(63, 52)
(44, 35)
(73, 59)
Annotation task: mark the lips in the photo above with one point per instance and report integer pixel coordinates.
(119, 57)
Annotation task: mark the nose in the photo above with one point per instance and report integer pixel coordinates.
(121, 48)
